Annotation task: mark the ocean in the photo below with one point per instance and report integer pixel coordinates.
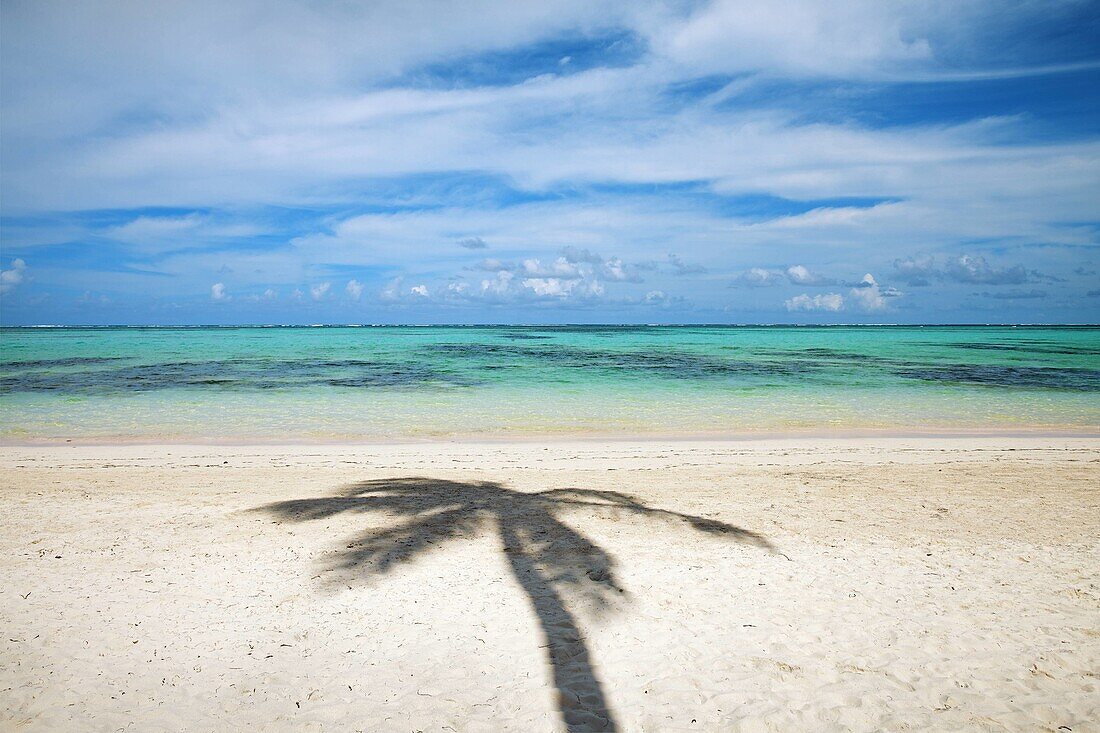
(287, 384)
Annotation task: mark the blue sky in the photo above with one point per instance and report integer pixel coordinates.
(491, 162)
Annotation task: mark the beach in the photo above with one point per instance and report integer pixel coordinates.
(882, 583)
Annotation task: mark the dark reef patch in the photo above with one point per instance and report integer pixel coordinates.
(234, 374)
(992, 375)
(673, 364)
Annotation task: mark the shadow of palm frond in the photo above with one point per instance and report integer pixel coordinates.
(556, 565)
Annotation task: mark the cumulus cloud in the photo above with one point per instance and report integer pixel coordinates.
(319, 291)
(831, 302)
(472, 243)
(392, 289)
(576, 273)
(575, 255)
(218, 293)
(499, 285)
(354, 289)
(553, 287)
(757, 277)
(679, 267)
(561, 267)
(916, 271)
(867, 295)
(970, 269)
(419, 290)
(11, 278)
(801, 275)
(656, 297)
(795, 275)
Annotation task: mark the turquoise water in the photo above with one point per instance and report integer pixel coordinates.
(286, 384)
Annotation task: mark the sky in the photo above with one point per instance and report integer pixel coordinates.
(549, 162)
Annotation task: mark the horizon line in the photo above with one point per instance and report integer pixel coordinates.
(557, 325)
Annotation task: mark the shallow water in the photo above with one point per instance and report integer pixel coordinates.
(353, 383)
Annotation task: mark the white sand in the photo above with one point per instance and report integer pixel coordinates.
(885, 584)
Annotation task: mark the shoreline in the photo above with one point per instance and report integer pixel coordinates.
(763, 436)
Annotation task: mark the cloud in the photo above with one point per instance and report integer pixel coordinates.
(800, 275)
(499, 286)
(970, 269)
(795, 275)
(420, 290)
(218, 293)
(576, 255)
(561, 267)
(830, 302)
(319, 291)
(472, 243)
(11, 278)
(857, 38)
(392, 289)
(679, 267)
(916, 271)
(757, 277)
(868, 296)
(553, 287)
(576, 271)
(354, 289)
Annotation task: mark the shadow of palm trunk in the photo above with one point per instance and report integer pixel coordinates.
(580, 696)
(551, 561)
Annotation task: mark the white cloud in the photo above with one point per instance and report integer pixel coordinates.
(801, 275)
(825, 302)
(560, 267)
(319, 291)
(970, 269)
(498, 286)
(800, 37)
(757, 277)
(354, 289)
(11, 278)
(420, 290)
(218, 293)
(554, 287)
(680, 267)
(869, 296)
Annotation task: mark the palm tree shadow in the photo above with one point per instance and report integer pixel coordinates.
(556, 566)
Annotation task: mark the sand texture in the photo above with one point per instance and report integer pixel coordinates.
(810, 585)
